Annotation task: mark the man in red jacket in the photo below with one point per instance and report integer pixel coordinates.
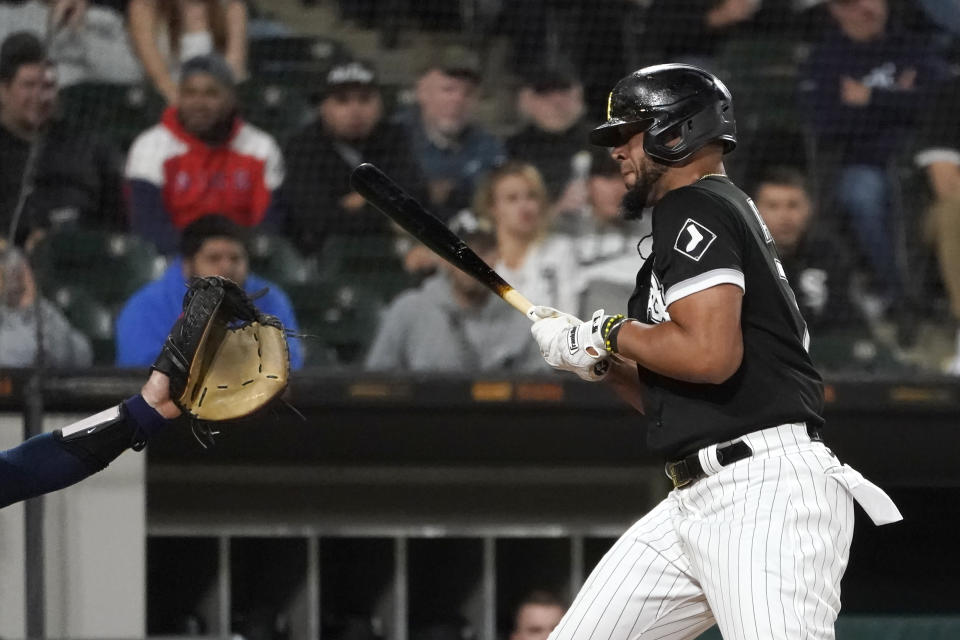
(202, 158)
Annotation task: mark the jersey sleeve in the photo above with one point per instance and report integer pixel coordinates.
(698, 244)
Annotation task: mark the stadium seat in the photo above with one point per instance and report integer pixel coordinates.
(851, 350)
(280, 55)
(119, 110)
(90, 317)
(339, 319)
(277, 107)
(275, 258)
(111, 266)
(370, 261)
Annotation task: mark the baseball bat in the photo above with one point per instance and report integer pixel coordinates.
(391, 199)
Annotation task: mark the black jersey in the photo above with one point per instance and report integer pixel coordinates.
(706, 234)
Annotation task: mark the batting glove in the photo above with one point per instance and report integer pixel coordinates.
(569, 344)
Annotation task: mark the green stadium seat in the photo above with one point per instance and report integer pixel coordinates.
(111, 266)
(279, 108)
(370, 261)
(280, 55)
(339, 318)
(851, 350)
(122, 111)
(276, 258)
(90, 317)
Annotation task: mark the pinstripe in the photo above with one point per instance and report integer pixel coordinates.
(759, 548)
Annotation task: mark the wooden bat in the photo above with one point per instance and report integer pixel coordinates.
(390, 198)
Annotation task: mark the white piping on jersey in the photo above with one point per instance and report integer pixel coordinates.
(703, 281)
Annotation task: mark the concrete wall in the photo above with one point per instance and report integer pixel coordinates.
(95, 550)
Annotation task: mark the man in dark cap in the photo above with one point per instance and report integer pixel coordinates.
(453, 151)
(349, 129)
(202, 158)
(555, 136)
(76, 175)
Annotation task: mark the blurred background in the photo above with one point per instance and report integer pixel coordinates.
(442, 482)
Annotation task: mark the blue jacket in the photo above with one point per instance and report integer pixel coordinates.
(148, 315)
(871, 134)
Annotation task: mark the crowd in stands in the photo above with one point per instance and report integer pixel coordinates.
(849, 136)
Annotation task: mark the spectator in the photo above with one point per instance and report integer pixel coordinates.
(534, 261)
(861, 86)
(939, 156)
(453, 151)
(818, 267)
(349, 129)
(76, 178)
(607, 246)
(692, 31)
(168, 33)
(210, 246)
(555, 137)
(537, 615)
(63, 346)
(452, 323)
(88, 42)
(202, 158)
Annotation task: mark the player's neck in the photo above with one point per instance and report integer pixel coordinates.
(707, 162)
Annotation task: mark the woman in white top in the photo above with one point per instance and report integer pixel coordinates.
(165, 33)
(540, 265)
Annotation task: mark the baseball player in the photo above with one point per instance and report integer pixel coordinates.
(220, 339)
(756, 533)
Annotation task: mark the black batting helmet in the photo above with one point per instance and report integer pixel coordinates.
(669, 101)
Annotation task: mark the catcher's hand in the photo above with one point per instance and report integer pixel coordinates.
(225, 359)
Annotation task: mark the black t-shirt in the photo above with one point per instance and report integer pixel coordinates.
(707, 234)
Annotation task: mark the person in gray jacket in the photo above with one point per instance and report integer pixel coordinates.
(452, 323)
(63, 346)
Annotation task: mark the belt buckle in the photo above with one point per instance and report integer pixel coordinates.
(670, 469)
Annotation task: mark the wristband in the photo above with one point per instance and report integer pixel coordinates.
(146, 420)
(611, 330)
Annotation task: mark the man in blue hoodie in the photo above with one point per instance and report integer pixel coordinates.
(210, 246)
(862, 87)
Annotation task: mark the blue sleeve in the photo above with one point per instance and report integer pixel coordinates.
(138, 335)
(149, 219)
(39, 465)
(279, 305)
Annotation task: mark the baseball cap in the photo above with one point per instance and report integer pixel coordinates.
(211, 64)
(546, 79)
(454, 61)
(347, 73)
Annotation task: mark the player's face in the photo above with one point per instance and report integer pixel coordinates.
(204, 103)
(219, 257)
(860, 20)
(446, 102)
(517, 208)
(351, 113)
(786, 209)
(536, 621)
(28, 99)
(640, 173)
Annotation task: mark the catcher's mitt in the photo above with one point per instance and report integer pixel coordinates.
(225, 359)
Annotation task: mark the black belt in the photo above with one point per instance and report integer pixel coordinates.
(688, 470)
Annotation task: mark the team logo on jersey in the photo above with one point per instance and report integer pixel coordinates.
(694, 239)
(767, 236)
(656, 307)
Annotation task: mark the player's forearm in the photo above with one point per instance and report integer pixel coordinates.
(52, 461)
(672, 351)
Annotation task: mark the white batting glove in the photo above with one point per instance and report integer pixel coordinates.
(569, 344)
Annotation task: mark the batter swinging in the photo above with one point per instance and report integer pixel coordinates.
(756, 534)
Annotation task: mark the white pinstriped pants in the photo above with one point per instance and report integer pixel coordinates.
(759, 548)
